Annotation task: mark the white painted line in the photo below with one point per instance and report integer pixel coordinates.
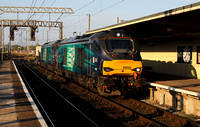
(174, 89)
(34, 106)
(65, 99)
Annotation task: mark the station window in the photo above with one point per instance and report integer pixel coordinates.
(198, 54)
(184, 54)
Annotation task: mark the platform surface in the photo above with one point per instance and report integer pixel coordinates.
(15, 109)
(184, 83)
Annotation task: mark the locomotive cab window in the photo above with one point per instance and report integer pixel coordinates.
(120, 45)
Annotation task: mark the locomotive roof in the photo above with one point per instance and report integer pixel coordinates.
(51, 43)
(84, 38)
(111, 33)
(74, 39)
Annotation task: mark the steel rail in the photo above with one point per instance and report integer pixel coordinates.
(63, 97)
(35, 96)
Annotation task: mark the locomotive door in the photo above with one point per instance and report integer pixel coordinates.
(89, 60)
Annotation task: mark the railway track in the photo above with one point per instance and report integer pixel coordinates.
(132, 112)
(124, 112)
(126, 116)
(161, 116)
(55, 108)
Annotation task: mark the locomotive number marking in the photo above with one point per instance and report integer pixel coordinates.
(126, 67)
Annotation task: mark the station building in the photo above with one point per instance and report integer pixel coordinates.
(170, 40)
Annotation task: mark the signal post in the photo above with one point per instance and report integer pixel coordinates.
(33, 24)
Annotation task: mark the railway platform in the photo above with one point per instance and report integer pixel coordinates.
(179, 93)
(16, 109)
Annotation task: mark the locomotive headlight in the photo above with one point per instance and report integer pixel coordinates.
(138, 69)
(107, 69)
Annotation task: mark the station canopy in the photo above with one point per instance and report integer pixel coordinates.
(178, 23)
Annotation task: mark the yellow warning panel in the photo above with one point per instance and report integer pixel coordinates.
(122, 67)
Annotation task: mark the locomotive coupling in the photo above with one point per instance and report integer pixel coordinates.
(108, 82)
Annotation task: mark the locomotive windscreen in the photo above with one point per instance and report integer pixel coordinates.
(120, 45)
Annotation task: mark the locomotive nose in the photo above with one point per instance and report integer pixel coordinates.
(122, 67)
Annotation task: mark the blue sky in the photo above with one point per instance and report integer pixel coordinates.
(103, 13)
